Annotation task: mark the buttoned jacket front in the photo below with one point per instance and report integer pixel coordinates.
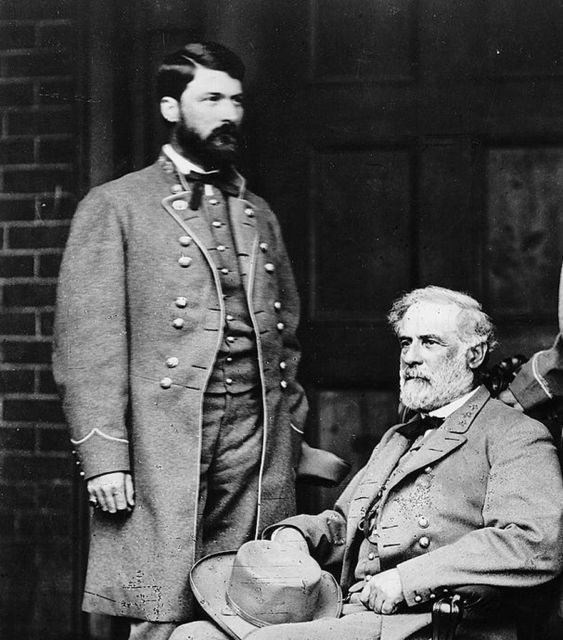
(481, 502)
(139, 322)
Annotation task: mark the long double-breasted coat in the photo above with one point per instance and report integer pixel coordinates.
(138, 287)
(481, 502)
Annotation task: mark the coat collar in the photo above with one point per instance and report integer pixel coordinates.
(382, 473)
(442, 442)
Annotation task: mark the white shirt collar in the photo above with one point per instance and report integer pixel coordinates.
(183, 165)
(448, 409)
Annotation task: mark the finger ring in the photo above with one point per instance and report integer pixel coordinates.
(93, 502)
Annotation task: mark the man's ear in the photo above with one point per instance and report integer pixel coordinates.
(476, 355)
(170, 109)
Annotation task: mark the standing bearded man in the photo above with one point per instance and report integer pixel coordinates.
(175, 354)
(469, 492)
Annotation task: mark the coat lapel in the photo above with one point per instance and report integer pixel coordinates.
(449, 437)
(378, 471)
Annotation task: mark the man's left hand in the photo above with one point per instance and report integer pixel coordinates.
(383, 592)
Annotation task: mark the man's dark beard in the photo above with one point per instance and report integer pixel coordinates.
(218, 150)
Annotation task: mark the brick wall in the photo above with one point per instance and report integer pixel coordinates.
(38, 169)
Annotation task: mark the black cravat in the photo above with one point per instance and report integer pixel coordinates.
(417, 427)
(215, 178)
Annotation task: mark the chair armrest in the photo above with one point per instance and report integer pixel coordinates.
(476, 601)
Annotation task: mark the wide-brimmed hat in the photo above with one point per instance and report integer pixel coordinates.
(264, 583)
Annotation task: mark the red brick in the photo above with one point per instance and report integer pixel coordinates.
(56, 151)
(56, 92)
(40, 122)
(17, 36)
(16, 380)
(56, 36)
(49, 265)
(37, 63)
(37, 181)
(17, 497)
(37, 469)
(47, 382)
(17, 438)
(53, 440)
(56, 208)
(33, 410)
(17, 324)
(16, 266)
(17, 209)
(29, 295)
(38, 237)
(26, 352)
(47, 320)
(56, 496)
(16, 151)
(16, 94)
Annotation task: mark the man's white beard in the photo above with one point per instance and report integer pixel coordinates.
(424, 391)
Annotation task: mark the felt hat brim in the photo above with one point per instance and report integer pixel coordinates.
(209, 579)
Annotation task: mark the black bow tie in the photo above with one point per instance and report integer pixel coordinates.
(215, 178)
(418, 426)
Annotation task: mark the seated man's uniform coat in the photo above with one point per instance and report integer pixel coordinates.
(481, 502)
(139, 324)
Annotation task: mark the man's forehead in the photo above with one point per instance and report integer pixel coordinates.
(428, 318)
(212, 81)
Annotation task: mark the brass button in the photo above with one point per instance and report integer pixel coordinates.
(428, 470)
(172, 362)
(221, 247)
(424, 542)
(228, 381)
(269, 267)
(224, 270)
(213, 201)
(264, 246)
(280, 326)
(367, 578)
(230, 339)
(82, 473)
(166, 383)
(178, 323)
(229, 358)
(277, 305)
(184, 261)
(176, 188)
(249, 212)
(418, 598)
(423, 522)
(184, 240)
(180, 205)
(181, 302)
(371, 556)
(230, 318)
(216, 223)
(283, 365)
(283, 384)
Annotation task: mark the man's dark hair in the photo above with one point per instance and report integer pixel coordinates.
(178, 69)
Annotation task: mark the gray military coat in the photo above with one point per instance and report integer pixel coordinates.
(481, 502)
(128, 301)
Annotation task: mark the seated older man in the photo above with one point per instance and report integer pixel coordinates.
(469, 492)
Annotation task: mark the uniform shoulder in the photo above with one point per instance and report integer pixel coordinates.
(501, 420)
(128, 183)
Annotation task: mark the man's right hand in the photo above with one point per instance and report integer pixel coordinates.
(112, 492)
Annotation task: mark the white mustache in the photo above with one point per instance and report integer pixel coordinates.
(414, 375)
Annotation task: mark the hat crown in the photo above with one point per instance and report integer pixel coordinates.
(272, 583)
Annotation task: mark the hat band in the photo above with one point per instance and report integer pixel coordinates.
(244, 615)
